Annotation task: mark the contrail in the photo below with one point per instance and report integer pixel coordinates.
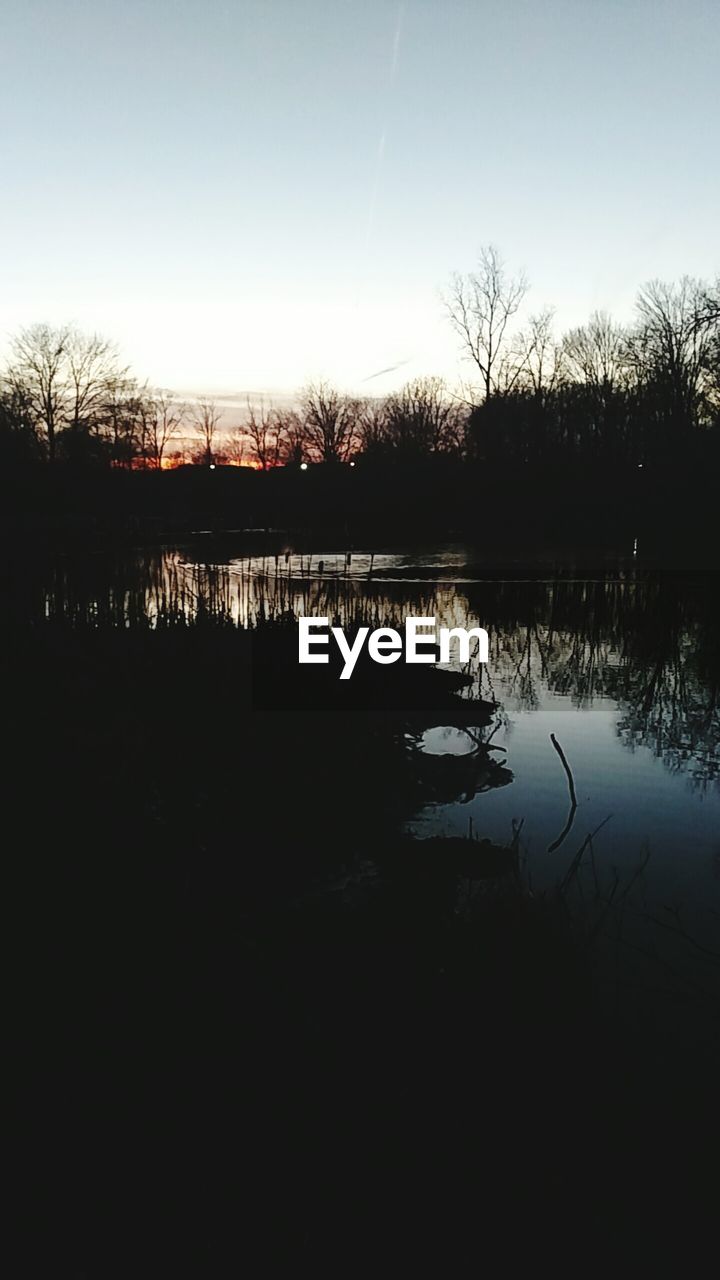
(396, 41)
(390, 369)
(381, 143)
(380, 154)
(374, 193)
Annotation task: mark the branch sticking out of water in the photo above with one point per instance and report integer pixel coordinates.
(573, 798)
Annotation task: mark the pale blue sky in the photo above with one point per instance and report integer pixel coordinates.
(248, 194)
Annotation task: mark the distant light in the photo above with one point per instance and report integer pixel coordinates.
(352, 464)
(303, 466)
(639, 466)
(212, 466)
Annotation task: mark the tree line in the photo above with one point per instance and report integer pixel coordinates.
(66, 397)
(605, 392)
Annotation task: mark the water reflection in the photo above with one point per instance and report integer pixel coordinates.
(455, 765)
(619, 661)
(647, 642)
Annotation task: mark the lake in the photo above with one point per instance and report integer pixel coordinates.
(618, 658)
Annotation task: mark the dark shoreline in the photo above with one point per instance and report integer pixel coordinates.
(669, 511)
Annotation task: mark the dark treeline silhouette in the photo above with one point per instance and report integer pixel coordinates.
(604, 391)
(638, 394)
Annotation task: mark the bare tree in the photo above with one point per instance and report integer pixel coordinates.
(264, 432)
(373, 427)
(235, 447)
(538, 357)
(18, 436)
(671, 347)
(597, 352)
(123, 418)
(92, 371)
(421, 419)
(331, 422)
(712, 371)
(292, 437)
(206, 419)
(65, 379)
(162, 418)
(711, 305)
(480, 307)
(38, 375)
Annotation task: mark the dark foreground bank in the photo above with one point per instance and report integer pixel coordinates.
(666, 508)
(262, 1032)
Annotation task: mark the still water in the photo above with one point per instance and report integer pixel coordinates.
(620, 660)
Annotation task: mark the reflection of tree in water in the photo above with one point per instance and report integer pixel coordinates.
(446, 777)
(648, 641)
(669, 694)
(557, 637)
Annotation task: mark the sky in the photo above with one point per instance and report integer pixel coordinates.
(252, 194)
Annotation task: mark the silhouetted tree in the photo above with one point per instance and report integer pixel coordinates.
(235, 447)
(291, 436)
(122, 421)
(538, 357)
(421, 420)
(38, 375)
(265, 434)
(670, 351)
(521, 421)
(372, 429)
(597, 361)
(597, 353)
(64, 379)
(18, 439)
(711, 304)
(92, 373)
(330, 421)
(712, 354)
(162, 417)
(481, 306)
(206, 418)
